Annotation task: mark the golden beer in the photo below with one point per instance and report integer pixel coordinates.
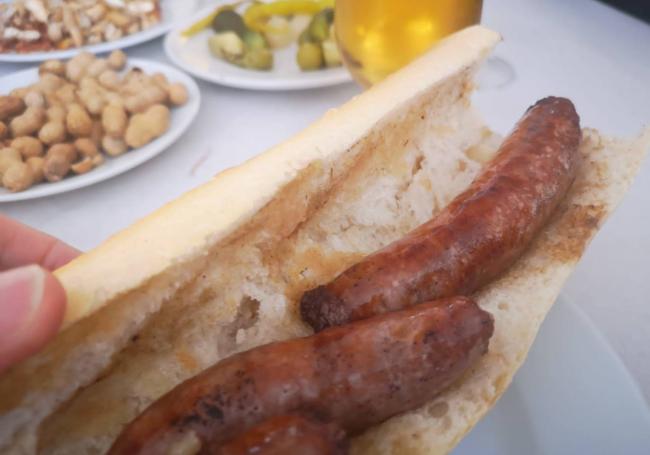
(377, 37)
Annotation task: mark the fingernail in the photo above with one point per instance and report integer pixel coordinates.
(21, 293)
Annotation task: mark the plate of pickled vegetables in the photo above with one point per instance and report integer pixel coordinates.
(274, 45)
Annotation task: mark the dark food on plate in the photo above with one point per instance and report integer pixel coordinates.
(355, 375)
(48, 25)
(78, 109)
(478, 236)
(248, 40)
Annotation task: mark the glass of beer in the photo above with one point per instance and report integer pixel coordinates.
(377, 37)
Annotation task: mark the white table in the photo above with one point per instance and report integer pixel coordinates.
(579, 48)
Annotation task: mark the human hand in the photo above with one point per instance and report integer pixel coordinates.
(32, 301)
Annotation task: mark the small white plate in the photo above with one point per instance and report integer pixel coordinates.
(572, 396)
(192, 55)
(166, 23)
(181, 119)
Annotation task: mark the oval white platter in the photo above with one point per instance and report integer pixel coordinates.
(192, 55)
(573, 395)
(181, 119)
(167, 20)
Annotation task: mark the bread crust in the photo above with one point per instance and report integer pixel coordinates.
(220, 269)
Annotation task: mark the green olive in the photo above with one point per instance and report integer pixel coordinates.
(254, 40)
(258, 59)
(310, 56)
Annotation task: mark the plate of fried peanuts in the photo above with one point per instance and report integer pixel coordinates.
(68, 124)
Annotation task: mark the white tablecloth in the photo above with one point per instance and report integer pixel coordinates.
(591, 53)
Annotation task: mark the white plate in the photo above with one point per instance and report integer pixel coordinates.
(572, 396)
(180, 120)
(192, 54)
(166, 23)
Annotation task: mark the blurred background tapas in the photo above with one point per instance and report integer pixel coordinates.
(36, 30)
(281, 45)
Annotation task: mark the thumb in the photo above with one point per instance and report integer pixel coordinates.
(32, 303)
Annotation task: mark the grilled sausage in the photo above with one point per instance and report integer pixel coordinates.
(288, 434)
(473, 240)
(355, 375)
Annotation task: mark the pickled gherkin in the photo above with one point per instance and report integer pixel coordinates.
(319, 28)
(331, 53)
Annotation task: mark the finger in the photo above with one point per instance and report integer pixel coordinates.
(32, 303)
(21, 245)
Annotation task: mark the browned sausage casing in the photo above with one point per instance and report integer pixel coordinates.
(288, 434)
(355, 375)
(473, 240)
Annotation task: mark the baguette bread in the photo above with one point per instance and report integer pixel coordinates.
(221, 269)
